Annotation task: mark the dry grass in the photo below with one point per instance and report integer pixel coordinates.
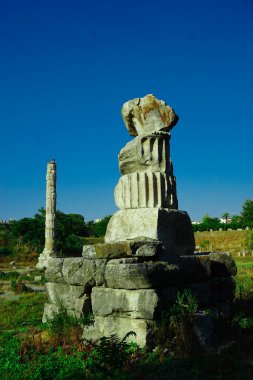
(229, 241)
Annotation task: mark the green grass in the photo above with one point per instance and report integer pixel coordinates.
(244, 262)
(8, 276)
(244, 278)
(27, 310)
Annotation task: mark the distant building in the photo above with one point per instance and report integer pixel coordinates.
(225, 221)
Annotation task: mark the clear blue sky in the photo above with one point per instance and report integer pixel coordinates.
(66, 68)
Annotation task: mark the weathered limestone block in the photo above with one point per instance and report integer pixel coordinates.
(222, 264)
(106, 326)
(146, 303)
(147, 115)
(225, 286)
(69, 297)
(203, 330)
(150, 189)
(205, 295)
(50, 311)
(114, 250)
(141, 303)
(141, 247)
(224, 310)
(195, 267)
(146, 154)
(131, 274)
(134, 274)
(87, 272)
(172, 227)
(148, 248)
(53, 272)
(73, 272)
(76, 271)
(89, 252)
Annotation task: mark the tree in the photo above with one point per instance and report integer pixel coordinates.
(99, 228)
(209, 223)
(205, 218)
(250, 242)
(69, 228)
(236, 219)
(247, 213)
(30, 230)
(225, 216)
(6, 239)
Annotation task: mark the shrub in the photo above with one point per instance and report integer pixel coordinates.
(181, 316)
(186, 303)
(109, 353)
(63, 327)
(243, 322)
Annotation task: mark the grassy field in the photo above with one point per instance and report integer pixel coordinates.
(229, 241)
(31, 350)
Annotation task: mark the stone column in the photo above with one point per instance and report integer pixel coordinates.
(146, 192)
(49, 250)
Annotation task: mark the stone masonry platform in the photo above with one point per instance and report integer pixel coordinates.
(130, 293)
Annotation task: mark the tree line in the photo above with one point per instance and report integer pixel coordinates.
(244, 220)
(29, 233)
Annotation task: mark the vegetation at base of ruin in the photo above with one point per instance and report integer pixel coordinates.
(185, 303)
(174, 329)
(111, 352)
(32, 350)
(62, 326)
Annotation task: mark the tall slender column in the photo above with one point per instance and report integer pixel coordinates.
(49, 250)
(50, 208)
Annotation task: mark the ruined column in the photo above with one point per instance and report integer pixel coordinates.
(146, 192)
(131, 281)
(49, 250)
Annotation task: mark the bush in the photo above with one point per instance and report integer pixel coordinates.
(243, 322)
(109, 353)
(180, 337)
(186, 303)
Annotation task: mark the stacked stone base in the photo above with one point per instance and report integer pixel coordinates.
(132, 293)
